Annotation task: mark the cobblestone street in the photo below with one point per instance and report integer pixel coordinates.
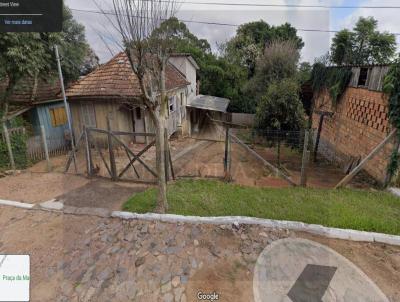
(89, 258)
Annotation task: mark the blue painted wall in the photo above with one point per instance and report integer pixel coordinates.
(40, 115)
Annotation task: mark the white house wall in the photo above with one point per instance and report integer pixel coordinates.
(187, 68)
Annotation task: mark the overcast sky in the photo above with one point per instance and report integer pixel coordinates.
(316, 43)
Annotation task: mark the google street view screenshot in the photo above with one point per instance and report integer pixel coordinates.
(200, 150)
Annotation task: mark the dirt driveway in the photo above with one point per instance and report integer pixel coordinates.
(34, 187)
(87, 258)
(73, 190)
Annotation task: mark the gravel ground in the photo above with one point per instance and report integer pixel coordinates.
(87, 258)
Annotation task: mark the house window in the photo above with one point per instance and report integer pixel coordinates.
(172, 104)
(363, 78)
(58, 116)
(138, 113)
(88, 115)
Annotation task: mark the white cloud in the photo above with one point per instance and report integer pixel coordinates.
(316, 44)
(388, 19)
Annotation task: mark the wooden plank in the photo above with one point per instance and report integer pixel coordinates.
(111, 151)
(72, 153)
(102, 157)
(231, 125)
(138, 155)
(46, 149)
(266, 163)
(122, 132)
(166, 162)
(134, 156)
(357, 169)
(304, 162)
(170, 163)
(89, 165)
(9, 148)
(132, 165)
(226, 150)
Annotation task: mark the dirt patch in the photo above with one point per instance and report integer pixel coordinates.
(101, 194)
(232, 281)
(38, 187)
(207, 160)
(57, 165)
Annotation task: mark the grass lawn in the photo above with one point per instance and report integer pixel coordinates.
(345, 208)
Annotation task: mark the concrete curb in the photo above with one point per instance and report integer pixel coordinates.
(315, 229)
(333, 233)
(16, 204)
(394, 191)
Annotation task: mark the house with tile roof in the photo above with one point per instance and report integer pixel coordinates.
(113, 91)
(38, 101)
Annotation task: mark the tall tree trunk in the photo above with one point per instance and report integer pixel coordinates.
(159, 118)
(162, 194)
(162, 203)
(4, 101)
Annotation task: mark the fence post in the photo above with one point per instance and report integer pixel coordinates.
(357, 169)
(88, 152)
(111, 151)
(304, 162)
(227, 159)
(9, 148)
(46, 149)
(166, 156)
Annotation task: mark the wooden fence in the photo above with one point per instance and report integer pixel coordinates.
(56, 146)
(35, 148)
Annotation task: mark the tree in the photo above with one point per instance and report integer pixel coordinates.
(364, 45)
(280, 108)
(80, 58)
(148, 49)
(252, 38)
(217, 75)
(279, 61)
(180, 36)
(31, 55)
(304, 72)
(22, 54)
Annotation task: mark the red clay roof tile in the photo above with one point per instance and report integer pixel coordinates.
(116, 79)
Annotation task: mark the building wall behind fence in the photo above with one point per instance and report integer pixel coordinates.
(246, 119)
(359, 123)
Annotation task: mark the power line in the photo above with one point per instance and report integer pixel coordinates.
(212, 23)
(285, 5)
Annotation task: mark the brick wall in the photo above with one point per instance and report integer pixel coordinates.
(359, 123)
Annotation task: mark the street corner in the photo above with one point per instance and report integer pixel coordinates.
(300, 270)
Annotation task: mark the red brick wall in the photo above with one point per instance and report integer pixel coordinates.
(360, 122)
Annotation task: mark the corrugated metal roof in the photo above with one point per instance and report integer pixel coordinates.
(209, 102)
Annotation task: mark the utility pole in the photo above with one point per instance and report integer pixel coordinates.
(66, 104)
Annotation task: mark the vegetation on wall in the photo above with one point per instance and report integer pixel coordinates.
(392, 88)
(334, 80)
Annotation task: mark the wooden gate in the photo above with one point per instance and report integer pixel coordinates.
(116, 155)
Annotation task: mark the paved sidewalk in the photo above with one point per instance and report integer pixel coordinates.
(88, 258)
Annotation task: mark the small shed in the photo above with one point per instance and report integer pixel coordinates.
(202, 109)
(39, 103)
